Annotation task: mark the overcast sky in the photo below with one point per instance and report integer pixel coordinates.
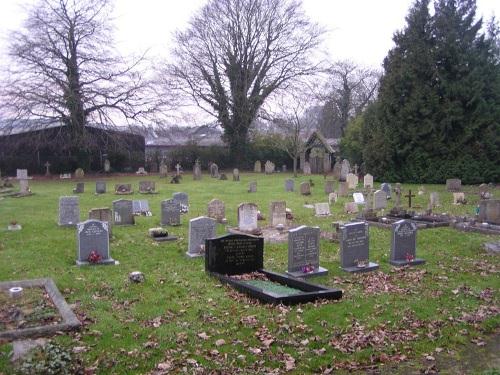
(359, 30)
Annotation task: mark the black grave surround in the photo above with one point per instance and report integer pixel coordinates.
(236, 254)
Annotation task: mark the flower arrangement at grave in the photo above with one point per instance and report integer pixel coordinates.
(184, 208)
(308, 268)
(158, 232)
(361, 263)
(94, 257)
(409, 257)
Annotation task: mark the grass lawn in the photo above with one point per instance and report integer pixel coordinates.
(180, 318)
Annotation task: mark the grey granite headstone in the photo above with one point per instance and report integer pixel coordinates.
(379, 200)
(147, 187)
(200, 229)
(247, 217)
(354, 248)
(252, 187)
(329, 188)
(305, 188)
(216, 210)
(454, 184)
(170, 212)
(80, 188)
(141, 207)
(123, 212)
(387, 189)
(181, 198)
(24, 187)
(489, 211)
(69, 211)
(236, 174)
(93, 235)
(303, 252)
(100, 187)
(289, 185)
(404, 244)
(277, 213)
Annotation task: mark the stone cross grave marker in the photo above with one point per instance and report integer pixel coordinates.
(305, 188)
(47, 170)
(257, 167)
(303, 252)
(80, 188)
(92, 239)
(200, 229)
(170, 212)
(252, 187)
(236, 174)
(102, 214)
(216, 210)
(100, 187)
(329, 186)
(178, 169)
(368, 181)
(409, 196)
(404, 244)
(352, 181)
(123, 212)
(289, 185)
(247, 217)
(454, 184)
(322, 209)
(277, 213)
(354, 248)
(147, 187)
(387, 189)
(69, 211)
(379, 200)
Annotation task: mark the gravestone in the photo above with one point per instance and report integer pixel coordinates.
(336, 169)
(69, 211)
(387, 189)
(197, 170)
(141, 207)
(252, 187)
(329, 186)
(200, 229)
(47, 170)
(277, 213)
(354, 248)
(269, 167)
(303, 252)
(141, 171)
(102, 214)
(332, 198)
(352, 181)
(222, 177)
(379, 200)
(24, 188)
(181, 198)
(458, 198)
(257, 167)
(322, 209)
(404, 244)
(100, 187)
(283, 168)
(178, 169)
(80, 188)
(163, 169)
(216, 210)
(123, 189)
(345, 168)
(79, 173)
(434, 200)
(64, 176)
(247, 217)
(170, 212)
(350, 208)
(305, 188)
(123, 212)
(147, 187)
(92, 236)
(234, 254)
(398, 191)
(236, 174)
(368, 181)
(358, 198)
(343, 189)
(489, 211)
(214, 170)
(22, 174)
(454, 184)
(107, 166)
(289, 185)
(306, 168)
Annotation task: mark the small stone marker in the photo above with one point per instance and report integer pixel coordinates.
(305, 188)
(404, 243)
(343, 189)
(80, 188)
(352, 181)
(216, 210)
(379, 200)
(434, 200)
(214, 170)
(200, 229)
(269, 167)
(350, 208)
(236, 174)
(454, 184)
(489, 211)
(170, 212)
(368, 181)
(163, 169)
(354, 248)
(22, 174)
(387, 189)
(79, 173)
(100, 187)
(322, 209)
(306, 168)
(123, 189)
(257, 168)
(332, 198)
(303, 252)
(181, 198)
(458, 198)
(289, 185)
(141, 207)
(358, 198)
(252, 187)
(107, 166)
(247, 217)
(329, 186)
(147, 187)
(123, 212)
(277, 213)
(93, 243)
(69, 211)
(102, 214)
(197, 170)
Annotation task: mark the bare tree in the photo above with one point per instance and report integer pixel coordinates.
(64, 70)
(350, 88)
(236, 53)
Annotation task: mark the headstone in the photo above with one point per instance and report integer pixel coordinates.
(214, 170)
(379, 200)
(92, 239)
(236, 174)
(303, 252)
(107, 166)
(354, 248)
(398, 191)
(147, 187)
(358, 198)
(123, 212)
(181, 198)
(234, 254)
(80, 188)
(352, 181)
(141, 171)
(24, 187)
(123, 189)
(345, 168)
(64, 176)
(100, 187)
(489, 211)
(47, 170)
(22, 174)
(336, 169)
(163, 169)
(368, 181)
(247, 217)
(252, 187)
(322, 209)
(79, 173)
(178, 168)
(277, 213)
(222, 177)
(458, 198)
(216, 210)
(289, 185)
(283, 168)
(387, 189)
(350, 208)
(69, 211)
(269, 167)
(197, 170)
(102, 214)
(200, 229)
(305, 188)
(434, 200)
(170, 212)
(404, 244)
(329, 186)
(257, 167)
(454, 184)
(332, 198)
(343, 189)
(141, 207)
(409, 196)
(306, 168)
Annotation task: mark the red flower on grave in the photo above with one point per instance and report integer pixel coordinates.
(409, 257)
(308, 268)
(94, 257)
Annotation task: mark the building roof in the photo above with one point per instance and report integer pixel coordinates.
(316, 139)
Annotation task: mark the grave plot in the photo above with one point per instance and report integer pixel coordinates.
(39, 310)
(238, 260)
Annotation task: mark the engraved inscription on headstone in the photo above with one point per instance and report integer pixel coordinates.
(404, 244)
(368, 181)
(277, 213)
(69, 211)
(354, 248)
(200, 229)
(303, 252)
(123, 212)
(170, 212)
(92, 238)
(216, 210)
(100, 187)
(247, 217)
(102, 214)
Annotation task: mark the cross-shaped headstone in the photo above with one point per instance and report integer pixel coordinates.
(178, 168)
(47, 165)
(409, 196)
